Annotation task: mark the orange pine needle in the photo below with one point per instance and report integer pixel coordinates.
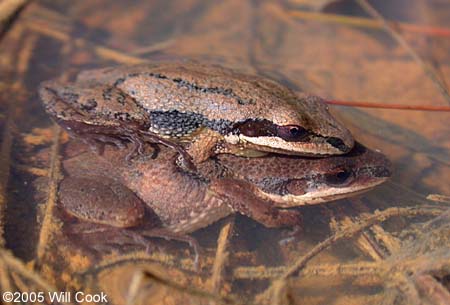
(389, 106)
(370, 23)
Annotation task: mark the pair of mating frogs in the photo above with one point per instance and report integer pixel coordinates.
(228, 142)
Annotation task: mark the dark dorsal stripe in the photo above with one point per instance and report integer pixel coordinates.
(227, 92)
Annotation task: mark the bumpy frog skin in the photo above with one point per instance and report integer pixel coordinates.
(214, 109)
(259, 188)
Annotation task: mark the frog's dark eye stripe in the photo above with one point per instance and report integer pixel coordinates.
(257, 128)
(264, 128)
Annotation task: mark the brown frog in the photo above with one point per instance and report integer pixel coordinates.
(213, 109)
(105, 190)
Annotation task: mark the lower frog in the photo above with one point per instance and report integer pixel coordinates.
(104, 190)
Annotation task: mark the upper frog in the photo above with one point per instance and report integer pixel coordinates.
(214, 109)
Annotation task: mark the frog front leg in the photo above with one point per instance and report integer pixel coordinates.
(241, 197)
(201, 147)
(186, 159)
(209, 143)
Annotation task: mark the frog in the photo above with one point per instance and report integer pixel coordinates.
(200, 110)
(106, 191)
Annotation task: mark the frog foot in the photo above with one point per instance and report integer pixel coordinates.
(138, 148)
(97, 142)
(97, 239)
(170, 235)
(186, 160)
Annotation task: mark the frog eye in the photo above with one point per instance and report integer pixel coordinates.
(339, 179)
(291, 132)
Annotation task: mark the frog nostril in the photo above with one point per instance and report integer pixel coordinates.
(341, 178)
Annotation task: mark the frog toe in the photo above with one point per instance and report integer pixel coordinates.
(170, 235)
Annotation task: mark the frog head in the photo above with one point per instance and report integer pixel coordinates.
(302, 126)
(293, 181)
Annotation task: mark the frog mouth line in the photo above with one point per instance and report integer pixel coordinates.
(320, 196)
